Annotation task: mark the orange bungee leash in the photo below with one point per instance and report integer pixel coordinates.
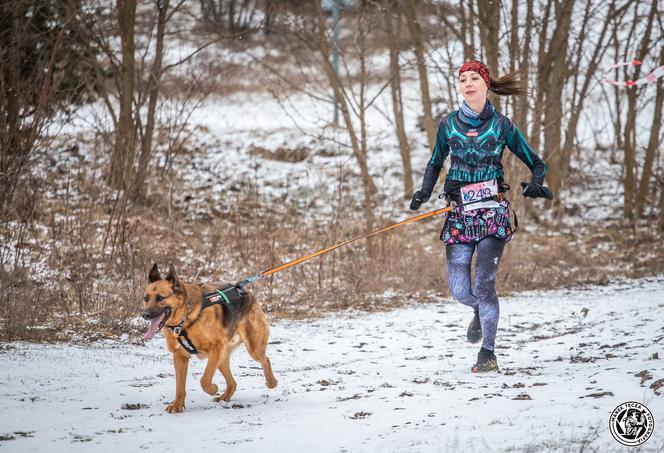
(268, 272)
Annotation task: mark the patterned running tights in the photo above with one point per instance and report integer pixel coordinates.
(482, 295)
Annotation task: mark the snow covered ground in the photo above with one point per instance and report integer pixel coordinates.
(397, 381)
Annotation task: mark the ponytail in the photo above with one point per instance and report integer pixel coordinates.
(509, 84)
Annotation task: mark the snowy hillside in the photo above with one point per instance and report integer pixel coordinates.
(395, 382)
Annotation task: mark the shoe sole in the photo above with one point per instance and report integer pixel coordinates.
(473, 337)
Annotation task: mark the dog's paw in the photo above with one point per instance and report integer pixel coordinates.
(226, 396)
(175, 407)
(271, 383)
(210, 389)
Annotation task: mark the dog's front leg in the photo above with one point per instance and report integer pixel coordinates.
(206, 380)
(181, 365)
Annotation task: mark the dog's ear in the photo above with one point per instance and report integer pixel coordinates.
(153, 276)
(173, 278)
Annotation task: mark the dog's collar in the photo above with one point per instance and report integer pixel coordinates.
(182, 337)
(176, 329)
(180, 333)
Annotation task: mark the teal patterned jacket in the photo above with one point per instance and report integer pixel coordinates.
(475, 148)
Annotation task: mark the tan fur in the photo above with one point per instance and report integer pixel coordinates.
(211, 338)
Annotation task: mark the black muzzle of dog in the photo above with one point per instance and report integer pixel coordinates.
(152, 313)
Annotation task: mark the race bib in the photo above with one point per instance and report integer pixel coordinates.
(473, 194)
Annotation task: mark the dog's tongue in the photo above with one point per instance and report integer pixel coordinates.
(154, 327)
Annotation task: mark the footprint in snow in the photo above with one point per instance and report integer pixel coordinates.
(598, 395)
(522, 396)
(360, 415)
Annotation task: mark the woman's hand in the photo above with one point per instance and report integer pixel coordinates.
(533, 190)
(419, 197)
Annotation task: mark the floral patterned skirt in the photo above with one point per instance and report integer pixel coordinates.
(473, 226)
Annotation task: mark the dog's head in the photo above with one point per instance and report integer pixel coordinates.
(162, 297)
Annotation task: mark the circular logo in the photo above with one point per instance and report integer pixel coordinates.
(631, 423)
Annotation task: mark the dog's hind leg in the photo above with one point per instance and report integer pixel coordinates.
(255, 339)
(210, 368)
(224, 365)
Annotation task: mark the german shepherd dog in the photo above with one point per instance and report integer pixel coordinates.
(216, 331)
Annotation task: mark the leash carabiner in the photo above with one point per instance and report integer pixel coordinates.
(249, 280)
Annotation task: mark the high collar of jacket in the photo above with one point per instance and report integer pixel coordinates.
(486, 113)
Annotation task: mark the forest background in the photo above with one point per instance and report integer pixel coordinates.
(229, 136)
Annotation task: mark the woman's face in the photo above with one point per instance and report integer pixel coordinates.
(473, 88)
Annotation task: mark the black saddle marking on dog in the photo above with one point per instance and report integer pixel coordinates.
(234, 302)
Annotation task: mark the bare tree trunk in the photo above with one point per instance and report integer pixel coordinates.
(397, 104)
(471, 29)
(618, 94)
(555, 82)
(653, 144)
(618, 113)
(630, 125)
(514, 50)
(270, 16)
(515, 171)
(360, 44)
(465, 26)
(125, 135)
(13, 155)
(154, 80)
(231, 15)
(589, 76)
(661, 206)
(358, 152)
(541, 89)
(489, 16)
(418, 41)
(521, 105)
(629, 177)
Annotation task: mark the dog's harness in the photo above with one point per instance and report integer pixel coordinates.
(228, 296)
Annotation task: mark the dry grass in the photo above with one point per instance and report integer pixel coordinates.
(74, 261)
(281, 154)
(97, 264)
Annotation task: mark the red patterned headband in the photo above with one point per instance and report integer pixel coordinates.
(478, 67)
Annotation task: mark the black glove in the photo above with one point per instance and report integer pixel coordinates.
(533, 190)
(419, 197)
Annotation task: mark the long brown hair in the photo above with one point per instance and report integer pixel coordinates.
(509, 84)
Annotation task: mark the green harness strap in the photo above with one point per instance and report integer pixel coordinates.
(221, 293)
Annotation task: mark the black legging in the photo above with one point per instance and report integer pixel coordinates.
(483, 297)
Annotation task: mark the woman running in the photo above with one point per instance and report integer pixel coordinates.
(474, 137)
